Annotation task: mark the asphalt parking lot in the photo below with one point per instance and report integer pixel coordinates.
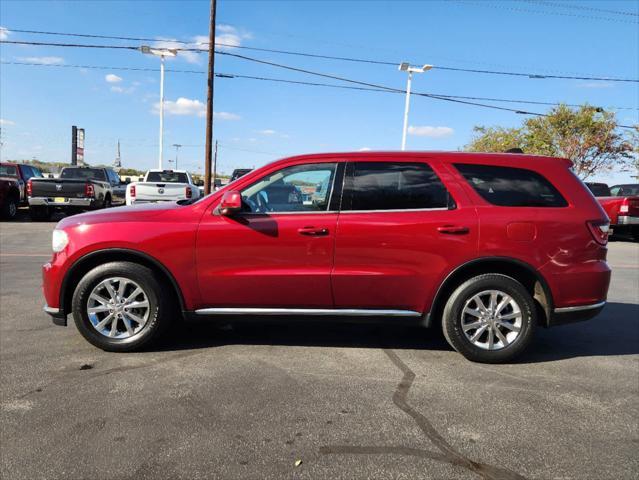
(348, 401)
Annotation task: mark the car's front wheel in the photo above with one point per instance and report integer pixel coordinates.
(490, 318)
(119, 307)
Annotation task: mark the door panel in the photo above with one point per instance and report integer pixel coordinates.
(270, 260)
(396, 255)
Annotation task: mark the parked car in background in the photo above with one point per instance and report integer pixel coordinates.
(21, 173)
(162, 186)
(9, 197)
(493, 246)
(621, 203)
(239, 172)
(76, 189)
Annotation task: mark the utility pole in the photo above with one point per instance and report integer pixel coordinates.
(405, 67)
(209, 103)
(177, 147)
(215, 166)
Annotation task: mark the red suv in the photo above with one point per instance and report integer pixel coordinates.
(490, 245)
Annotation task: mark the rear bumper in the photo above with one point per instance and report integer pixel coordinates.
(69, 202)
(576, 313)
(57, 316)
(627, 220)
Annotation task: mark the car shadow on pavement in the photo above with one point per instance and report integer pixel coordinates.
(613, 332)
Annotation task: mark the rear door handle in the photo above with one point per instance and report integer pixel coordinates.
(313, 231)
(453, 229)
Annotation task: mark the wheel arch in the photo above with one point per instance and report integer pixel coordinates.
(521, 271)
(91, 260)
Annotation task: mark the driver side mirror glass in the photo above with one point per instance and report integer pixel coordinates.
(231, 203)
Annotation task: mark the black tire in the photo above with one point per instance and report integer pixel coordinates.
(10, 208)
(160, 308)
(107, 202)
(40, 213)
(452, 318)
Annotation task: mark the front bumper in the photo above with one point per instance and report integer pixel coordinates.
(69, 202)
(57, 316)
(576, 313)
(627, 220)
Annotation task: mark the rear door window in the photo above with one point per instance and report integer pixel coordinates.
(393, 186)
(511, 187)
(167, 177)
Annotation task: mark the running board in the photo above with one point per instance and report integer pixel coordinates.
(348, 312)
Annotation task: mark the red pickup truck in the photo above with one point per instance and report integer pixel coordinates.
(621, 203)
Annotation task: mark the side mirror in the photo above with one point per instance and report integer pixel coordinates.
(231, 203)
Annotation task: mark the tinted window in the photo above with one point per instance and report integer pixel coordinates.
(511, 187)
(599, 189)
(8, 171)
(624, 190)
(301, 188)
(167, 177)
(84, 173)
(394, 186)
(36, 172)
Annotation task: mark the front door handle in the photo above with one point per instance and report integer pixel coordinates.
(313, 231)
(453, 229)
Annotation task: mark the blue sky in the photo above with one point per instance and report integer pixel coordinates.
(259, 121)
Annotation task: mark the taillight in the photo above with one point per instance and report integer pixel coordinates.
(189, 193)
(132, 191)
(29, 188)
(625, 207)
(89, 190)
(599, 230)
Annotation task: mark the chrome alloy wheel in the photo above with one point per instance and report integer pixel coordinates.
(118, 308)
(491, 320)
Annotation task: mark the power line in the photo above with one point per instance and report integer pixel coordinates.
(383, 89)
(582, 7)
(302, 54)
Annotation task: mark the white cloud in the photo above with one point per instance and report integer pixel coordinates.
(6, 122)
(118, 89)
(595, 84)
(4, 33)
(227, 35)
(432, 132)
(226, 116)
(187, 107)
(112, 78)
(268, 131)
(364, 149)
(43, 60)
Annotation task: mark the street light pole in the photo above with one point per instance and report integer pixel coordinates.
(177, 147)
(162, 53)
(405, 67)
(406, 108)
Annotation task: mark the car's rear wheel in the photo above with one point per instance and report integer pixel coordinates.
(119, 307)
(10, 208)
(490, 318)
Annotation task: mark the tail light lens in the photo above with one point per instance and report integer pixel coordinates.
(29, 187)
(624, 207)
(132, 191)
(189, 193)
(89, 190)
(599, 230)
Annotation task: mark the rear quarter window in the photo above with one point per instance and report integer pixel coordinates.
(510, 186)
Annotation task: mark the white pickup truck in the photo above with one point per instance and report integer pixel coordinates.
(162, 186)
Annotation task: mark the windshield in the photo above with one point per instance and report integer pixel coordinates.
(167, 177)
(8, 171)
(83, 173)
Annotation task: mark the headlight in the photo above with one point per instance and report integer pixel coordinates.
(59, 240)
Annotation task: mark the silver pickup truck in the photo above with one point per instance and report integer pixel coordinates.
(162, 186)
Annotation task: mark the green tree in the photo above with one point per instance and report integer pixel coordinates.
(588, 136)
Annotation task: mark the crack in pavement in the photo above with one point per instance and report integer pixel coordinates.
(447, 453)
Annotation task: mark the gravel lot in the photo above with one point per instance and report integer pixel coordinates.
(348, 401)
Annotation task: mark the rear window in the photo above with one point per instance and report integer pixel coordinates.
(83, 173)
(599, 189)
(167, 177)
(624, 190)
(8, 171)
(395, 186)
(511, 187)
